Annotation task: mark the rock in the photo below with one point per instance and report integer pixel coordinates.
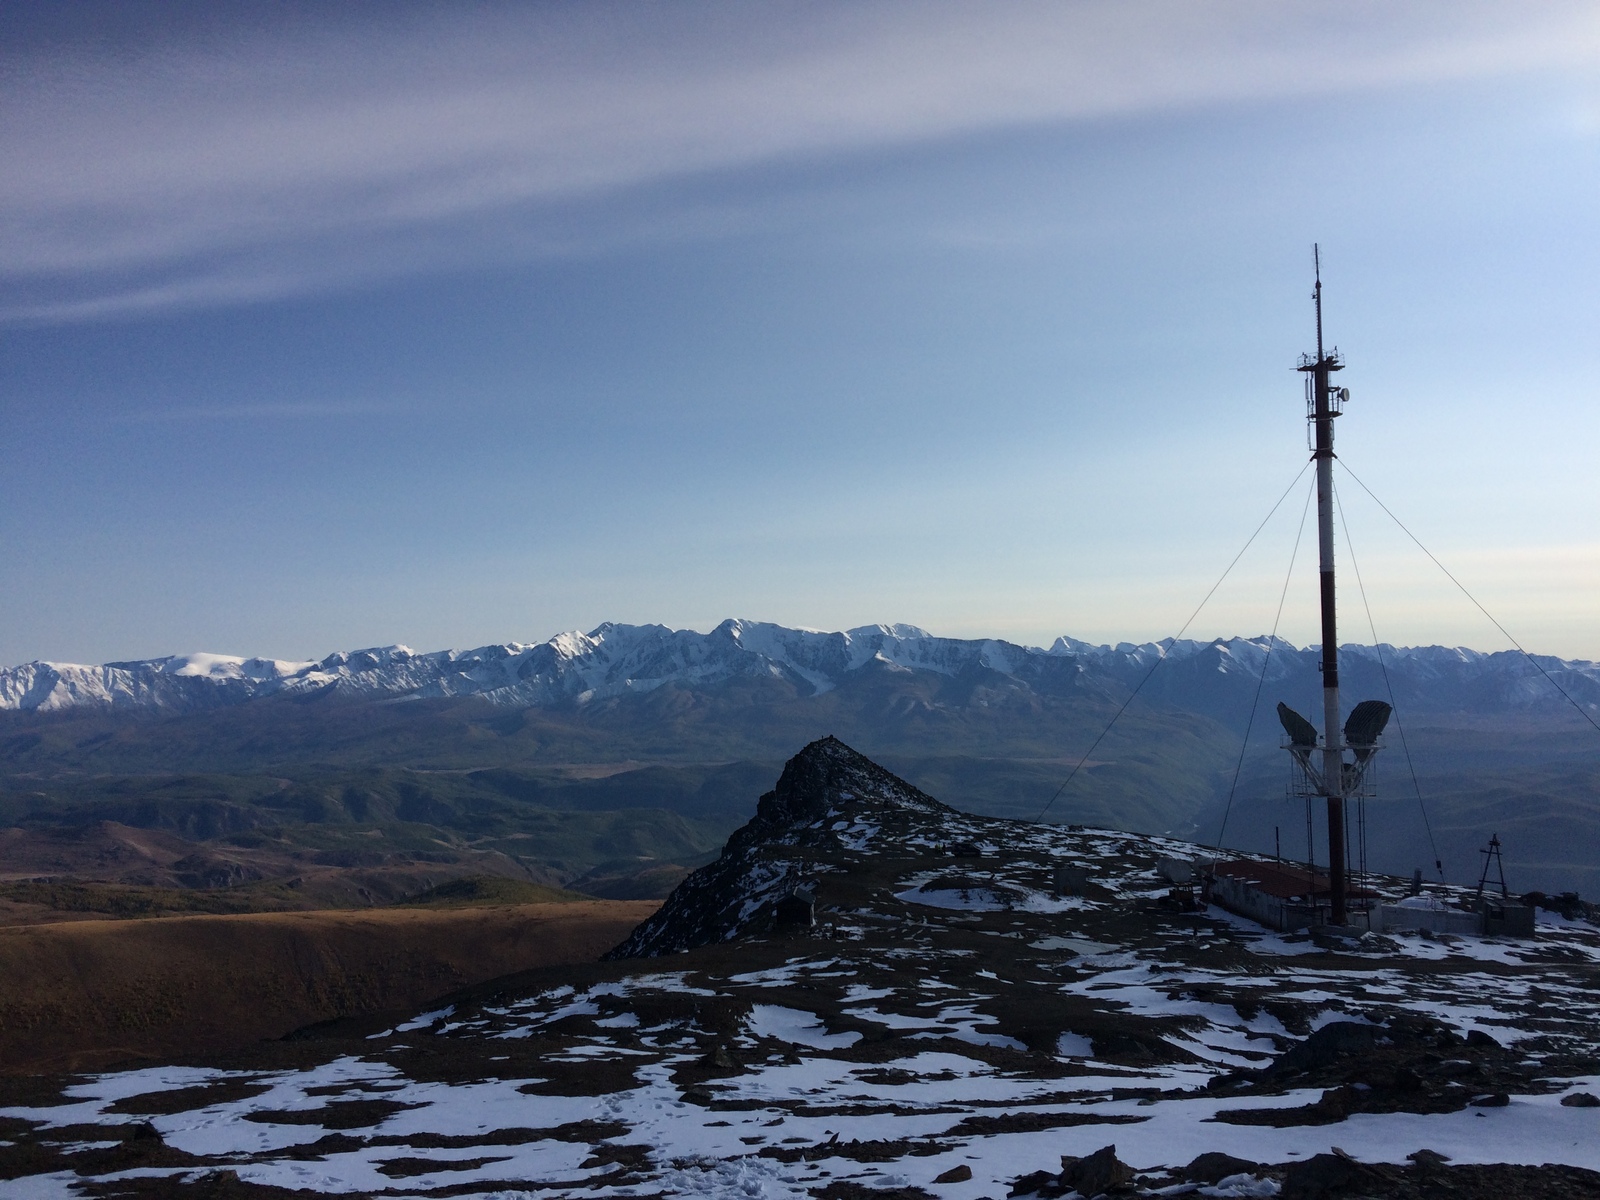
(721, 1058)
(1327, 1045)
(1214, 1166)
(1327, 1176)
(1072, 881)
(1404, 1079)
(1096, 1174)
(737, 895)
(1481, 1040)
(955, 1175)
(1232, 1081)
(1581, 1100)
(1335, 937)
(1428, 1158)
(1334, 1103)
(1037, 1183)
(1491, 1100)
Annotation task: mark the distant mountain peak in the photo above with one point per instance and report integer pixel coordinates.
(616, 660)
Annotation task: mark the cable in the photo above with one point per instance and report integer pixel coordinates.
(1438, 863)
(1162, 657)
(1271, 642)
(1474, 600)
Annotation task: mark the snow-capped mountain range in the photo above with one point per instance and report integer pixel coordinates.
(618, 660)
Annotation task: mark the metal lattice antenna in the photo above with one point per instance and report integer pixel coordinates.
(1316, 293)
(1492, 859)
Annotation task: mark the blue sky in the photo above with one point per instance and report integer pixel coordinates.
(452, 324)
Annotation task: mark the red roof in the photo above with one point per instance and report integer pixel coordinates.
(1285, 881)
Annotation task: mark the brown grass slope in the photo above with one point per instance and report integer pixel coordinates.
(87, 993)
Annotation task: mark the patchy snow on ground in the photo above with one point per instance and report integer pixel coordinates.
(946, 1010)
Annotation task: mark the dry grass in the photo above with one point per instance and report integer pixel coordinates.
(86, 993)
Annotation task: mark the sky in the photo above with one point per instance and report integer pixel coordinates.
(448, 324)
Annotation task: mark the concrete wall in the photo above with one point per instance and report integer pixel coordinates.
(1239, 897)
(1491, 918)
(1506, 920)
(1431, 920)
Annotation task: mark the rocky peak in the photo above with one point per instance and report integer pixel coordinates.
(828, 777)
(829, 803)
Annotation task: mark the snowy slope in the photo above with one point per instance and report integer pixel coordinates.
(617, 660)
(952, 1026)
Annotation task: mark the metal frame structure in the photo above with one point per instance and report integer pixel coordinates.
(1325, 406)
(1320, 766)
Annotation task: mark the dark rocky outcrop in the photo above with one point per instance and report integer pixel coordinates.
(769, 858)
(1214, 1166)
(1097, 1174)
(1329, 1045)
(1325, 1176)
(1410, 1063)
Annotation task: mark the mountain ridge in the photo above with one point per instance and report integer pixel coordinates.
(617, 660)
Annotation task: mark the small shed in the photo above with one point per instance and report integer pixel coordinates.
(1281, 896)
(796, 909)
(1505, 918)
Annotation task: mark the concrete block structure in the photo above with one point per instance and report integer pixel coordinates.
(1290, 896)
(1429, 914)
(1281, 896)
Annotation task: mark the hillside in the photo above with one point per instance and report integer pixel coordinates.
(960, 1020)
(84, 994)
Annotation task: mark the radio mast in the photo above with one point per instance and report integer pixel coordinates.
(1324, 403)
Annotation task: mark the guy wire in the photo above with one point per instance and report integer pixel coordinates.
(1438, 863)
(1162, 656)
(1272, 640)
(1548, 677)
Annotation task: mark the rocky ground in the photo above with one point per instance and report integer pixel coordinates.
(962, 1020)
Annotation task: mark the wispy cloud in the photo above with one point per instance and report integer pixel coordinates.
(287, 411)
(296, 158)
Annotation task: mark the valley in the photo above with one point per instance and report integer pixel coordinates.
(624, 757)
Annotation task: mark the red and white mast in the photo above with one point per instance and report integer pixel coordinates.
(1325, 402)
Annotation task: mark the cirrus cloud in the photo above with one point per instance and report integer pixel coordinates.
(284, 159)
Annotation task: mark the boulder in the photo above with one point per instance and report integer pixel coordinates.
(1330, 1176)
(1327, 1045)
(1097, 1173)
(1214, 1166)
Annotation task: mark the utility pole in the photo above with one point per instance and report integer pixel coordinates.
(1324, 403)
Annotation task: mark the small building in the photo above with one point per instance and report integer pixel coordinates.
(796, 909)
(1505, 918)
(1281, 896)
(1289, 896)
